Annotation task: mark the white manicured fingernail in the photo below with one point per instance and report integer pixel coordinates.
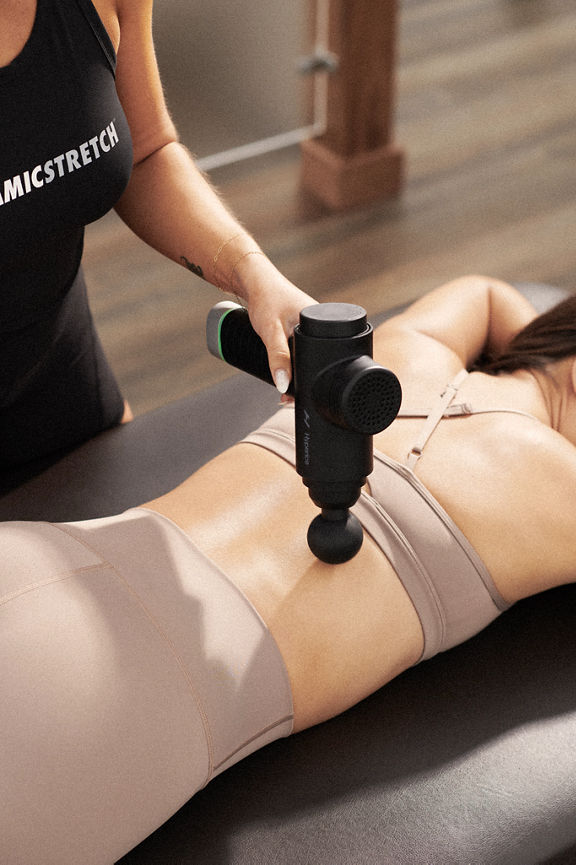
(281, 380)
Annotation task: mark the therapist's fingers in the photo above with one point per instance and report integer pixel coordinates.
(274, 314)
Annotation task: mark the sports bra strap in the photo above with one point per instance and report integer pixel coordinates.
(446, 407)
(435, 416)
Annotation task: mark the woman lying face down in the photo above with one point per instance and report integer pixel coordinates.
(145, 653)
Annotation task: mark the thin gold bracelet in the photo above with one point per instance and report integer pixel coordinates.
(221, 247)
(244, 255)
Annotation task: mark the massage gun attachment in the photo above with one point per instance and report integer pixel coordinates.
(342, 398)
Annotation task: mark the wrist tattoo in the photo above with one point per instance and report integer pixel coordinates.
(195, 268)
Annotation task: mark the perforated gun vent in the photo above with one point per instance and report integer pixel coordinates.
(373, 401)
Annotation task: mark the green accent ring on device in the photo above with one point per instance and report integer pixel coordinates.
(221, 321)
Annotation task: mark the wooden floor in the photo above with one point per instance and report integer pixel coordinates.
(487, 116)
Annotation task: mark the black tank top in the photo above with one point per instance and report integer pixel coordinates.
(65, 155)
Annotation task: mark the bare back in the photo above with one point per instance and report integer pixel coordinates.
(346, 630)
(506, 480)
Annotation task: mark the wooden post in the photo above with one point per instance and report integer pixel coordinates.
(355, 161)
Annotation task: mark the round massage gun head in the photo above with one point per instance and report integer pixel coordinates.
(335, 536)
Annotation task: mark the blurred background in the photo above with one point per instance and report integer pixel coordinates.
(486, 115)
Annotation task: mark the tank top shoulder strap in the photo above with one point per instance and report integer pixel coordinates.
(69, 23)
(94, 21)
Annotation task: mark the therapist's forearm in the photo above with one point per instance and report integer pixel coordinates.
(172, 207)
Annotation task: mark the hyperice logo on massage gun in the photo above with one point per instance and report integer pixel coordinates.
(341, 398)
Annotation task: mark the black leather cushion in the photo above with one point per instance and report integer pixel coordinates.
(467, 758)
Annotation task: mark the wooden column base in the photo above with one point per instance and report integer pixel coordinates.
(341, 183)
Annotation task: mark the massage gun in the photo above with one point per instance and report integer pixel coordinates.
(341, 399)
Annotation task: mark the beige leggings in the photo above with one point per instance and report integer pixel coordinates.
(132, 672)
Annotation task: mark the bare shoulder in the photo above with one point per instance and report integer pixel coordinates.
(133, 10)
(138, 80)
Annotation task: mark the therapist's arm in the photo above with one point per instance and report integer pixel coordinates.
(173, 207)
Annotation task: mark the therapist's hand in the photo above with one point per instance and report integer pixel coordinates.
(274, 305)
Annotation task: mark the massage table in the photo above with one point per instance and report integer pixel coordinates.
(466, 759)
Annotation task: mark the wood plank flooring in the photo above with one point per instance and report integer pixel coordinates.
(486, 111)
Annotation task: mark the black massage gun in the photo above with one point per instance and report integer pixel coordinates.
(342, 398)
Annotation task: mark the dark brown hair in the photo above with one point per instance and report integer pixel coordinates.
(549, 337)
